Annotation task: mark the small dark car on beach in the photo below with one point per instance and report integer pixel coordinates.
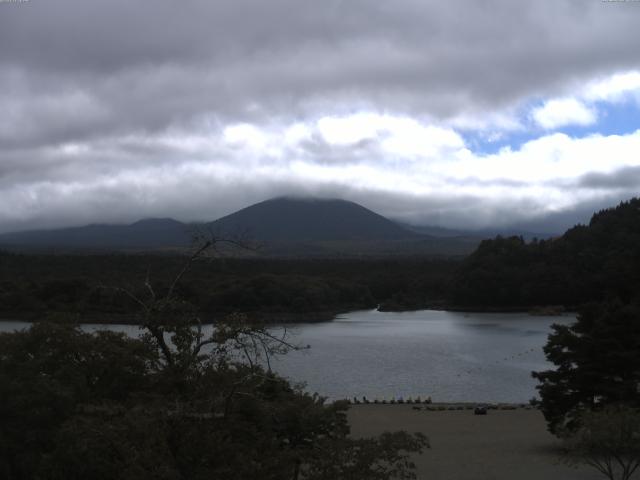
(480, 410)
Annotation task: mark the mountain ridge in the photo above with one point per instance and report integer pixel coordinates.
(278, 220)
(145, 233)
(310, 219)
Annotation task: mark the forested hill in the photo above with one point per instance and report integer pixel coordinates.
(149, 233)
(587, 263)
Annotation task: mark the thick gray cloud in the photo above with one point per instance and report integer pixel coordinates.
(114, 110)
(147, 65)
(626, 179)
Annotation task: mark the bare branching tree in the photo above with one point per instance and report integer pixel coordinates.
(607, 440)
(175, 327)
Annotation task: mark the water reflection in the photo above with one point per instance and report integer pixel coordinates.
(447, 355)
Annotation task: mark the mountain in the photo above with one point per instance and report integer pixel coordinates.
(149, 233)
(282, 226)
(310, 220)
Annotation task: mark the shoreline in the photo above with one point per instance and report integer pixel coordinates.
(533, 310)
(274, 318)
(271, 318)
(430, 406)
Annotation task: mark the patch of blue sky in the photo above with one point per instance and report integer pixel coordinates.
(613, 119)
(620, 118)
(484, 144)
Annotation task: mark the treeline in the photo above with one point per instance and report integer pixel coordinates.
(34, 286)
(588, 263)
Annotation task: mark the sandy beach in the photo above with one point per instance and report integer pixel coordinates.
(503, 445)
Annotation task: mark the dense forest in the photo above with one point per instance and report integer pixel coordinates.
(588, 263)
(33, 286)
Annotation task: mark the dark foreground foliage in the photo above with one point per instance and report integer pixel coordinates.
(607, 440)
(597, 363)
(76, 405)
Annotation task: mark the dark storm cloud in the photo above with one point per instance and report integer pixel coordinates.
(149, 64)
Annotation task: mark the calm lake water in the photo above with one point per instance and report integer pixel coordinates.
(476, 357)
(449, 356)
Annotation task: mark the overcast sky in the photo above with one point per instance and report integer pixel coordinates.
(467, 114)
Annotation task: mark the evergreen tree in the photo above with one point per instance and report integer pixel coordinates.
(597, 363)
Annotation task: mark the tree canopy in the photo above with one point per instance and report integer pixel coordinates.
(607, 440)
(586, 264)
(597, 363)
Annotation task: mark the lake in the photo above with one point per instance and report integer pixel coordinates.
(449, 356)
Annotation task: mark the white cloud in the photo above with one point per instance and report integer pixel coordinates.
(490, 122)
(350, 130)
(245, 135)
(397, 136)
(409, 138)
(614, 88)
(296, 134)
(407, 168)
(562, 112)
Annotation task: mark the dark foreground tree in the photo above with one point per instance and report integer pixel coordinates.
(607, 440)
(597, 363)
(180, 402)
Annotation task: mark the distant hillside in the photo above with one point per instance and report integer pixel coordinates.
(282, 226)
(475, 234)
(310, 220)
(150, 233)
(587, 263)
